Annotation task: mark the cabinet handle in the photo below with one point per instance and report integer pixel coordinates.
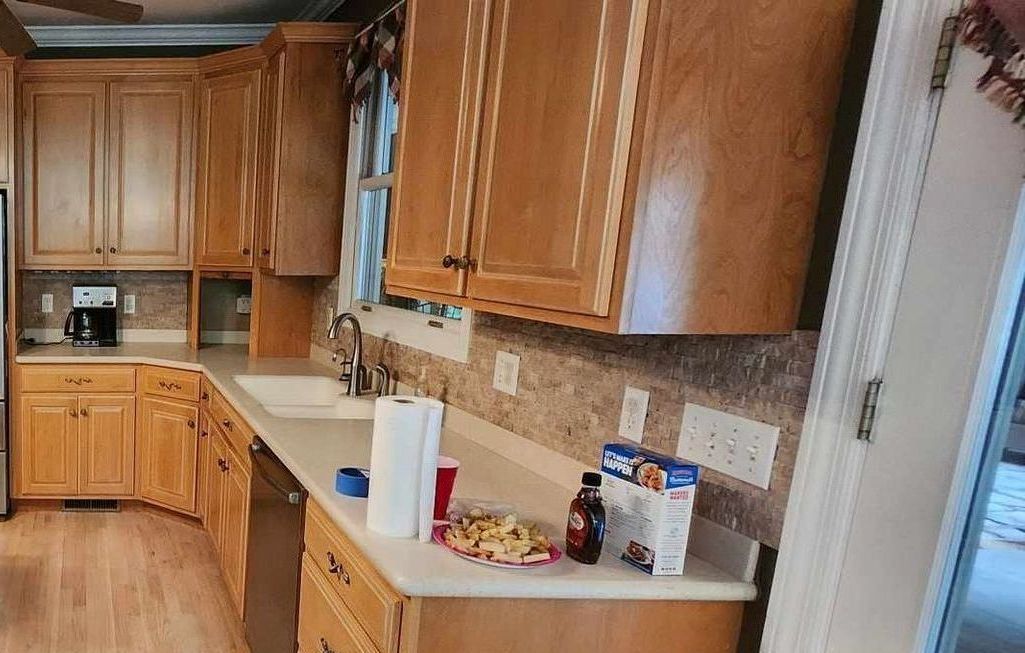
(72, 412)
(324, 647)
(222, 464)
(337, 568)
(465, 263)
(245, 251)
(227, 424)
(113, 250)
(192, 424)
(265, 251)
(170, 386)
(205, 396)
(448, 261)
(83, 413)
(98, 250)
(79, 380)
(203, 434)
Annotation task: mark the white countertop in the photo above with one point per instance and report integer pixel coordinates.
(314, 449)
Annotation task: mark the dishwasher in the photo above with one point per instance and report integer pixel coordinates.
(277, 504)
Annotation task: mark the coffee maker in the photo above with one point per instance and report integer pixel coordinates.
(92, 321)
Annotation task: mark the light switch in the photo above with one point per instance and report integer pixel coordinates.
(635, 411)
(46, 303)
(129, 304)
(507, 372)
(736, 446)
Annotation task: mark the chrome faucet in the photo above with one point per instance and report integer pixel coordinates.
(354, 372)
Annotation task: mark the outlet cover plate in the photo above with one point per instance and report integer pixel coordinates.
(507, 372)
(635, 411)
(129, 304)
(736, 446)
(244, 304)
(46, 303)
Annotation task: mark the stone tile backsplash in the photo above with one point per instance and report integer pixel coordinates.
(571, 390)
(161, 298)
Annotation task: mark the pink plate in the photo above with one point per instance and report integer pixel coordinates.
(439, 537)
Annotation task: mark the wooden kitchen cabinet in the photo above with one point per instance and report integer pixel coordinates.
(7, 121)
(106, 432)
(48, 457)
(167, 452)
(304, 139)
(215, 479)
(229, 116)
(235, 527)
(438, 131)
(64, 127)
(149, 180)
(663, 178)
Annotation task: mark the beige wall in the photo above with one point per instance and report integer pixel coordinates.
(571, 389)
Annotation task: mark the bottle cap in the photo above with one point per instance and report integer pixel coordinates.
(591, 479)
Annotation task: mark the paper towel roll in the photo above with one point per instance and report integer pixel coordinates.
(407, 433)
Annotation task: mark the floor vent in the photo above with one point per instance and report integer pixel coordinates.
(91, 505)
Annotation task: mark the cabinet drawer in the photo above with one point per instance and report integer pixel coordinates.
(77, 378)
(176, 384)
(324, 622)
(238, 434)
(376, 605)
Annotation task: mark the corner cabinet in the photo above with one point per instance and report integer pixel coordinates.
(107, 172)
(663, 178)
(229, 116)
(167, 452)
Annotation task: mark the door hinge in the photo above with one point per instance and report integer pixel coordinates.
(868, 409)
(944, 53)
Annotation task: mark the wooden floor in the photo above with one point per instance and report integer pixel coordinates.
(139, 580)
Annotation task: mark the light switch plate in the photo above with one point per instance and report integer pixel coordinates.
(635, 411)
(243, 304)
(129, 304)
(736, 446)
(507, 372)
(46, 303)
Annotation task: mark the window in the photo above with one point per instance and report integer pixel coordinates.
(442, 329)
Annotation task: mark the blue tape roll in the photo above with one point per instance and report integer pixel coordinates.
(352, 481)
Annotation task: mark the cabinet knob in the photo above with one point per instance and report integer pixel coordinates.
(83, 413)
(205, 396)
(192, 424)
(245, 251)
(222, 464)
(465, 263)
(325, 647)
(113, 250)
(72, 412)
(203, 434)
(98, 250)
(265, 252)
(448, 261)
(226, 423)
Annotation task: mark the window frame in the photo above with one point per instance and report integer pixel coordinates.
(437, 335)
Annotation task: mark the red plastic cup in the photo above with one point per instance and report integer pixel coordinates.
(447, 468)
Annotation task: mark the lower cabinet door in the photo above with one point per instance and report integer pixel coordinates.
(235, 534)
(167, 450)
(203, 461)
(49, 445)
(215, 474)
(325, 624)
(106, 435)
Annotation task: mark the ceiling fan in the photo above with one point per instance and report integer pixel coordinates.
(16, 41)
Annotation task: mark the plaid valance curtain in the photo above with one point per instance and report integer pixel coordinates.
(996, 29)
(377, 46)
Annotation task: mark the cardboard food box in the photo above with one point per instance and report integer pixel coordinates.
(649, 498)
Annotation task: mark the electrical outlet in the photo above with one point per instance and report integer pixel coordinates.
(507, 372)
(739, 447)
(243, 304)
(129, 304)
(635, 411)
(46, 303)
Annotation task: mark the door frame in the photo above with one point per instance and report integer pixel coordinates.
(898, 118)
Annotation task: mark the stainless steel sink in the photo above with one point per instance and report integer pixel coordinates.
(305, 397)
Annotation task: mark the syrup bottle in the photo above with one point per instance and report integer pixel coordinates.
(585, 530)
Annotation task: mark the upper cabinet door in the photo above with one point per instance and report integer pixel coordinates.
(150, 174)
(562, 85)
(64, 136)
(270, 148)
(229, 114)
(439, 129)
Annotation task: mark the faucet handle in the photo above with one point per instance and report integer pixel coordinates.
(382, 372)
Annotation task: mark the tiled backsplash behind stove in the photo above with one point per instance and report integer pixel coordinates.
(571, 391)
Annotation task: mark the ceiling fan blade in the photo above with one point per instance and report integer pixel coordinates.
(122, 12)
(14, 40)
